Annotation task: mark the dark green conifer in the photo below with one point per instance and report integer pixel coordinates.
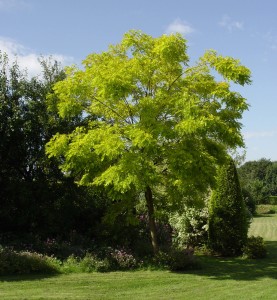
(228, 222)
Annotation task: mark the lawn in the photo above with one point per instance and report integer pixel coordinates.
(265, 226)
(216, 279)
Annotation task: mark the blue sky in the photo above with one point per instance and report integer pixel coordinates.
(71, 29)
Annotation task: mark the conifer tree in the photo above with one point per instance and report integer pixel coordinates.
(228, 222)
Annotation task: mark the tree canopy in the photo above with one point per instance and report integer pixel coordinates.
(259, 178)
(35, 198)
(155, 122)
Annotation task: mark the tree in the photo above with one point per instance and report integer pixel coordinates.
(228, 221)
(26, 124)
(35, 197)
(158, 123)
(249, 201)
(259, 178)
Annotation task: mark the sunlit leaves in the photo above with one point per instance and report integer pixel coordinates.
(228, 67)
(158, 121)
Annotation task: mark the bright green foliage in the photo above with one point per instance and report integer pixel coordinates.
(228, 222)
(155, 121)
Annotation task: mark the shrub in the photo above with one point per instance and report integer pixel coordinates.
(92, 263)
(254, 247)
(103, 265)
(228, 221)
(57, 248)
(272, 200)
(123, 260)
(25, 262)
(266, 209)
(71, 265)
(190, 227)
(175, 260)
(181, 260)
(108, 259)
(50, 246)
(89, 263)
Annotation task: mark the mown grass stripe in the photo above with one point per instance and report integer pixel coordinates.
(265, 226)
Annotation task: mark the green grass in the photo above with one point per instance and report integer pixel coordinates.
(265, 226)
(218, 278)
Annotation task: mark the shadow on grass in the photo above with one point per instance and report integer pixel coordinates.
(239, 268)
(26, 277)
(264, 215)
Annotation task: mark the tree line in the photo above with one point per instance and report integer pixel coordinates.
(36, 197)
(259, 179)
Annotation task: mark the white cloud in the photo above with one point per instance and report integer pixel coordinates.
(27, 58)
(7, 5)
(230, 24)
(179, 26)
(260, 134)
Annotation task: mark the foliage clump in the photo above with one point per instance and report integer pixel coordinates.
(103, 260)
(259, 178)
(266, 209)
(228, 222)
(175, 259)
(190, 227)
(249, 201)
(254, 247)
(25, 262)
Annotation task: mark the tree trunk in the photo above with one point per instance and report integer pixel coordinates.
(152, 224)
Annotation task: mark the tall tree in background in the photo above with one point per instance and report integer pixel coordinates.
(158, 123)
(13, 150)
(26, 124)
(259, 178)
(228, 222)
(33, 191)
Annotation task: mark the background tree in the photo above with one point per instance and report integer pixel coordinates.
(259, 178)
(249, 201)
(228, 222)
(158, 123)
(35, 196)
